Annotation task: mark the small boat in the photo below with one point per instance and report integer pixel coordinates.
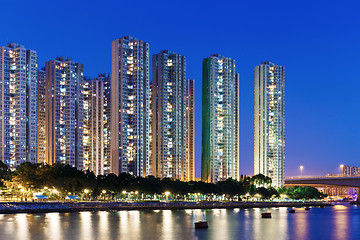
(292, 211)
(201, 224)
(307, 208)
(322, 206)
(266, 215)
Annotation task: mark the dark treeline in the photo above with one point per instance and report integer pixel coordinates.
(66, 179)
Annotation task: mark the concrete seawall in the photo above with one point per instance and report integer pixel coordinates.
(45, 207)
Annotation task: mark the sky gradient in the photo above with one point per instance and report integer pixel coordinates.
(317, 42)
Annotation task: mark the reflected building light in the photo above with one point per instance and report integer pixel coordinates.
(135, 223)
(53, 221)
(301, 223)
(85, 225)
(282, 225)
(341, 221)
(104, 227)
(22, 226)
(188, 211)
(216, 211)
(167, 225)
(124, 223)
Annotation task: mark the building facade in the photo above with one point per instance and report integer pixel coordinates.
(220, 126)
(41, 116)
(64, 112)
(18, 106)
(97, 124)
(190, 131)
(349, 171)
(130, 107)
(269, 122)
(169, 116)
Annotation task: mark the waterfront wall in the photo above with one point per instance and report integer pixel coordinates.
(44, 207)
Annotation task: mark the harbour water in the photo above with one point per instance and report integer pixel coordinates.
(341, 221)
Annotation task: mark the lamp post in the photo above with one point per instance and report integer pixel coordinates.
(86, 191)
(104, 192)
(167, 195)
(136, 195)
(342, 169)
(301, 169)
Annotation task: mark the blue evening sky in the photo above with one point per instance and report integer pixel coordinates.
(317, 41)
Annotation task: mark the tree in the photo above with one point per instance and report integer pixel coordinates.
(4, 172)
(260, 180)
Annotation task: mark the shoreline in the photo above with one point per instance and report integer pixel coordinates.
(67, 207)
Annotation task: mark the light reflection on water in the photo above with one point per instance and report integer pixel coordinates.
(338, 222)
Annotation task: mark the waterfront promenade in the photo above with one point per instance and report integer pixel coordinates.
(44, 207)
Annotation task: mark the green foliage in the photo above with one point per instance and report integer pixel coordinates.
(302, 192)
(231, 187)
(267, 193)
(4, 171)
(66, 179)
(260, 180)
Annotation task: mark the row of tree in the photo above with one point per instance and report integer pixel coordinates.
(66, 179)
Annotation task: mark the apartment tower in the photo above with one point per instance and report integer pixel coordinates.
(269, 122)
(130, 107)
(169, 116)
(41, 116)
(97, 124)
(190, 131)
(64, 112)
(220, 121)
(18, 105)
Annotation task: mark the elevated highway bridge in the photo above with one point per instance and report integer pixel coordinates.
(330, 181)
(340, 181)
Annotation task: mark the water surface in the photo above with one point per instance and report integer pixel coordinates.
(338, 222)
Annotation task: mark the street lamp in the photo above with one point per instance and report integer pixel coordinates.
(167, 195)
(86, 191)
(136, 193)
(103, 192)
(301, 169)
(342, 168)
(124, 193)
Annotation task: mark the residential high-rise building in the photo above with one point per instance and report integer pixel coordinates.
(130, 107)
(220, 126)
(349, 171)
(190, 131)
(64, 112)
(169, 116)
(97, 124)
(41, 116)
(237, 125)
(269, 122)
(18, 105)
